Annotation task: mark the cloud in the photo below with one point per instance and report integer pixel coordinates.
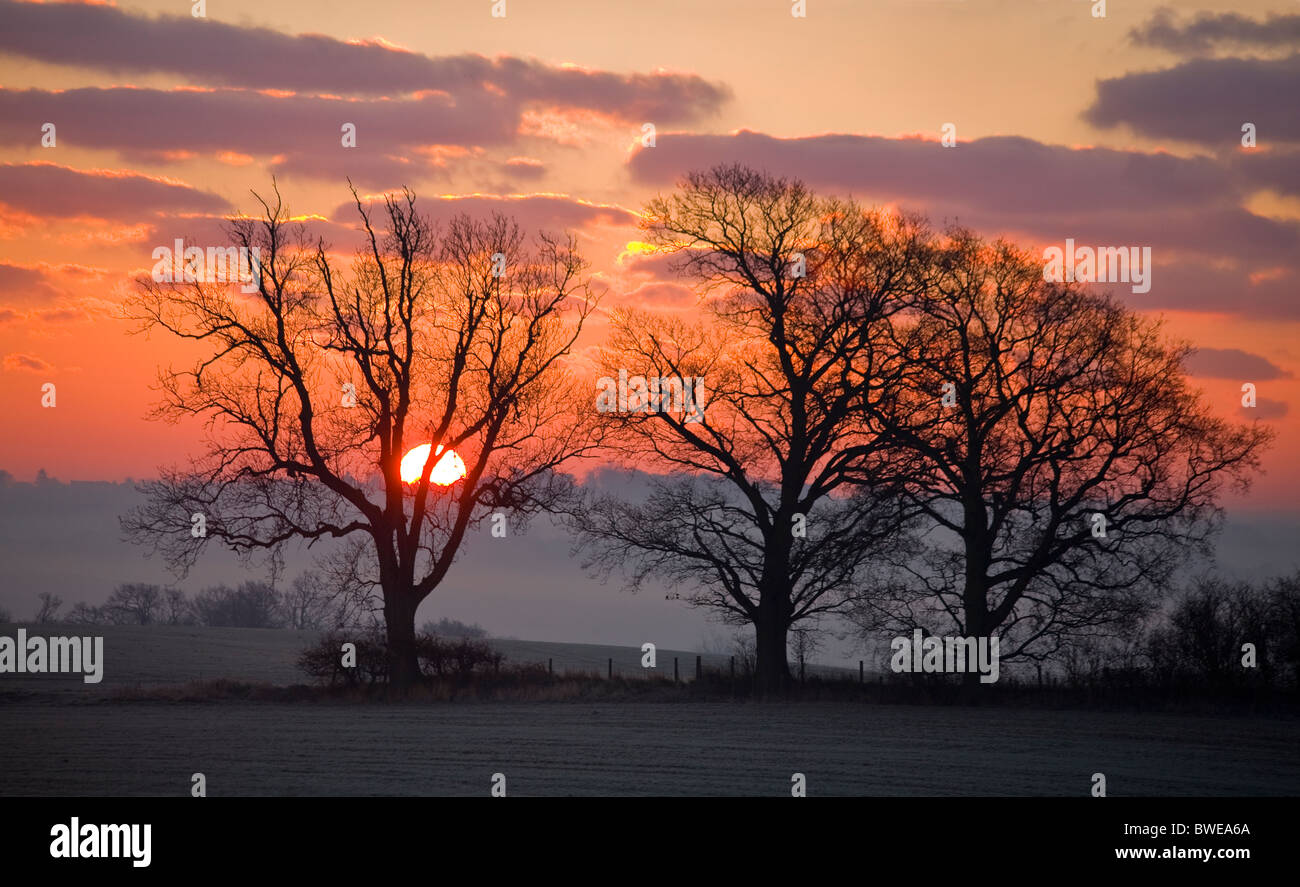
(1205, 101)
(24, 282)
(1013, 186)
(212, 230)
(662, 295)
(217, 53)
(1213, 288)
(159, 125)
(25, 363)
(535, 212)
(1208, 30)
(366, 169)
(1264, 408)
(660, 266)
(48, 190)
(397, 141)
(1272, 170)
(1233, 363)
(1013, 174)
(524, 169)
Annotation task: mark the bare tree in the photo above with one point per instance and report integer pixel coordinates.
(135, 604)
(1053, 442)
(755, 520)
(176, 609)
(248, 605)
(316, 386)
(1284, 601)
(805, 641)
(84, 614)
(49, 608)
(308, 603)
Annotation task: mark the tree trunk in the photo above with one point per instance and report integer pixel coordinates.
(399, 620)
(772, 673)
(975, 603)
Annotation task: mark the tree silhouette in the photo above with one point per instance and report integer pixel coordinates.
(313, 388)
(1052, 440)
(754, 519)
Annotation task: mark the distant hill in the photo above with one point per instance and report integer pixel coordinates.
(140, 656)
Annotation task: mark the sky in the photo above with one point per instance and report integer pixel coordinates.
(1122, 130)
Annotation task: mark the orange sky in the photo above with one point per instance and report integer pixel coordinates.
(174, 136)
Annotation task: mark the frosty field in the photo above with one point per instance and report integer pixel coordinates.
(61, 737)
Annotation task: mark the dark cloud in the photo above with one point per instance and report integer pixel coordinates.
(1265, 409)
(23, 283)
(1205, 101)
(1233, 363)
(147, 124)
(1013, 186)
(1208, 30)
(1212, 288)
(50, 191)
(366, 169)
(1011, 174)
(535, 212)
(211, 52)
(1272, 170)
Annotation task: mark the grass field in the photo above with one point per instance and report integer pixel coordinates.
(59, 736)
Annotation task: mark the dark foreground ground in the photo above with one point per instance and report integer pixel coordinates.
(54, 748)
(60, 736)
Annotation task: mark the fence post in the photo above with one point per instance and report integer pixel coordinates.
(550, 666)
(862, 675)
(611, 668)
(676, 678)
(699, 668)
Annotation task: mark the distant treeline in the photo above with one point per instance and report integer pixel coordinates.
(1216, 634)
(307, 604)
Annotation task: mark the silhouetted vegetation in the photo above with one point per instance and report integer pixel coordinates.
(437, 657)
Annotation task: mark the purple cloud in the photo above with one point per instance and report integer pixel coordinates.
(1208, 30)
(535, 212)
(146, 124)
(25, 284)
(1011, 174)
(211, 52)
(1205, 101)
(1013, 186)
(1233, 363)
(51, 191)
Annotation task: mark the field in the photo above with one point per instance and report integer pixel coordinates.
(59, 736)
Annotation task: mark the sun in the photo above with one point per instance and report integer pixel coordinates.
(446, 471)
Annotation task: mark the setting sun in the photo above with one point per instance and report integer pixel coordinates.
(449, 469)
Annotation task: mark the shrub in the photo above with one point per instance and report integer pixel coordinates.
(323, 660)
(438, 658)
